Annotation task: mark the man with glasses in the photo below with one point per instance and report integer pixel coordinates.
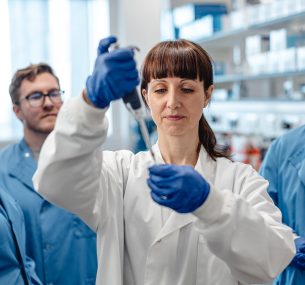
(62, 246)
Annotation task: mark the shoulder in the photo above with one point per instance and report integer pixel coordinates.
(7, 150)
(297, 132)
(13, 148)
(236, 171)
(287, 145)
(8, 154)
(293, 139)
(234, 166)
(223, 169)
(241, 178)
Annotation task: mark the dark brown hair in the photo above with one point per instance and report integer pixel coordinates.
(184, 59)
(28, 73)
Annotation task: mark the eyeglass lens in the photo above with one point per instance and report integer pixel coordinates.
(37, 99)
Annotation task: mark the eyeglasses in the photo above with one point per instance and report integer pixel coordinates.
(37, 98)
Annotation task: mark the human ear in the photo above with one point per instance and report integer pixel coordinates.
(18, 112)
(144, 96)
(208, 95)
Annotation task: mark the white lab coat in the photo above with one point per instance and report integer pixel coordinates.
(235, 237)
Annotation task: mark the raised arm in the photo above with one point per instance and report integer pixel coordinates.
(70, 163)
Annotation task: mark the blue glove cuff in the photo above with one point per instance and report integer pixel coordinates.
(95, 100)
(204, 195)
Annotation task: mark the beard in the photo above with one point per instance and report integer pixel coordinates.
(44, 126)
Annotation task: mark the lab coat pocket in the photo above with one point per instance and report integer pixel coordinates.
(81, 230)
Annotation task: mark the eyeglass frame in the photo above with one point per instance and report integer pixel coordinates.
(44, 95)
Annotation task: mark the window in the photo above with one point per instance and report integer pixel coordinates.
(62, 33)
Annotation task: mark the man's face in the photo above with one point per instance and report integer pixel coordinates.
(38, 119)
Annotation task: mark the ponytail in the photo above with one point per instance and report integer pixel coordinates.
(208, 140)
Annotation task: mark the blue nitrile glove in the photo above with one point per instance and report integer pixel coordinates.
(179, 187)
(114, 75)
(299, 258)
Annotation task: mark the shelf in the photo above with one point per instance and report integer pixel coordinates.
(266, 118)
(239, 77)
(231, 37)
(265, 100)
(275, 23)
(261, 107)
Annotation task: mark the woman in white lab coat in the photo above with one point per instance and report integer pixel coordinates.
(194, 217)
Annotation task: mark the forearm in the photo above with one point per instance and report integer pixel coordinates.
(69, 166)
(252, 241)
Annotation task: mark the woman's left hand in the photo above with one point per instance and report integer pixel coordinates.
(179, 187)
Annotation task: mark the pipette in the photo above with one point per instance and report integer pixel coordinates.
(133, 104)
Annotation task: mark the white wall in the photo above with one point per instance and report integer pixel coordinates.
(134, 22)
(176, 3)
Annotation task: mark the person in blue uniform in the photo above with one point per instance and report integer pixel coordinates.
(62, 246)
(284, 167)
(15, 267)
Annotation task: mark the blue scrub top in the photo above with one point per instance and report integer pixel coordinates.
(62, 246)
(284, 168)
(15, 267)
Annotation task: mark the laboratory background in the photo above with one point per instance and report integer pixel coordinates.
(258, 48)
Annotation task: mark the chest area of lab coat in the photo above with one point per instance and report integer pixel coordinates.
(170, 247)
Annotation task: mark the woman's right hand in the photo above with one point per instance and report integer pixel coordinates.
(114, 74)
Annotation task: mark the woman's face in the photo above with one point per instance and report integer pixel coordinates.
(176, 104)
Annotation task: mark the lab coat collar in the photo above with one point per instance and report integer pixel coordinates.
(176, 220)
(203, 159)
(24, 165)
